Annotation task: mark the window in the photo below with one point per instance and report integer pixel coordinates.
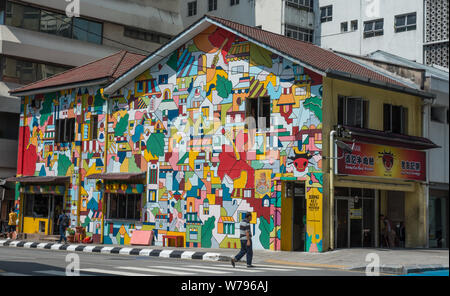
(259, 110)
(85, 30)
(93, 129)
(307, 5)
(438, 114)
(354, 25)
(192, 8)
(237, 70)
(145, 35)
(193, 233)
(326, 14)
(153, 176)
(395, 119)
(299, 33)
(124, 206)
(234, 2)
(9, 125)
(152, 196)
(405, 22)
(65, 130)
(353, 111)
(212, 5)
(22, 16)
(59, 24)
(344, 27)
(56, 24)
(163, 79)
(36, 205)
(2, 12)
(373, 28)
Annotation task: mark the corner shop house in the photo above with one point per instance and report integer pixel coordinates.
(166, 146)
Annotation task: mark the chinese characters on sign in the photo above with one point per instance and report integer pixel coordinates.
(383, 161)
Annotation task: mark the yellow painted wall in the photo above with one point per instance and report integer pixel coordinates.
(286, 220)
(31, 225)
(415, 209)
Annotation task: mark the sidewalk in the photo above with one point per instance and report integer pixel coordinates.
(395, 261)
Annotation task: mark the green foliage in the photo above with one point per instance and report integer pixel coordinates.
(46, 110)
(63, 164)
(266, 229)
(121, 126)
(172, 62)
(260, 56)
(155, 144)
(315, 105)
(224, 87)
(207, 229)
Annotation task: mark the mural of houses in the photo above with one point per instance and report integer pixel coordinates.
(173, 153)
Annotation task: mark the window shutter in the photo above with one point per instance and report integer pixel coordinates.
(387, 117)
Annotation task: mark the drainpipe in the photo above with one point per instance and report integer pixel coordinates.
(426, 111)
(103, 195)
(331, 193)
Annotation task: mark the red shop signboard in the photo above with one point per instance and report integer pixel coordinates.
(383, 161)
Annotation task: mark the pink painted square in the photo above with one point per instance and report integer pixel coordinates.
(142, 237)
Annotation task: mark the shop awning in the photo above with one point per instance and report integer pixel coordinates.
(117, 176)
(390, 139)
(40, 179)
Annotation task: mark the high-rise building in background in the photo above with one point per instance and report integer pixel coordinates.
(38, 40)
(292, 18)
(413, 29)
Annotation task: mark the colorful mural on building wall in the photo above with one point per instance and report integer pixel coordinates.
(183, 122)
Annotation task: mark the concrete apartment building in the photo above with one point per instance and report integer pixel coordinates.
(400, 38)
(413, 29)
(38, 40)
(292, 18)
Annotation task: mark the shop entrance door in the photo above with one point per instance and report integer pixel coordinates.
(57, 207)
(355, 219)
(299, 218)
(342, 225)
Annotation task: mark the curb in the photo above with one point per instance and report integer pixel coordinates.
(179, 254)
(399, 269)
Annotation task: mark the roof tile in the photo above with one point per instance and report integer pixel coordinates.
(108, 67)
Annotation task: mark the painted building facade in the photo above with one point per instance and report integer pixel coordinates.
(182, 123)
(176, 149)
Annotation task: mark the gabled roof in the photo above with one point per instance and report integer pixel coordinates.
(100, 71)
(313, 57)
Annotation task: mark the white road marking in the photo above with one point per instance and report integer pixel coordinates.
(153, 270)
(287, 268)
(187, 255)
(113, 272)
(125, 251)
(226, 268)
(71, 248)
(165, 253)
(28, 245)
(41, 245)
(106, 250)
(194, 270)
(56, 246)
(88, 249)
(14, 243)
(145, 252)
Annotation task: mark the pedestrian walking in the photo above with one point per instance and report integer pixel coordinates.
(246, 242)
(12, 222)
(401, 234)
(389, 232)
(63, 222)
